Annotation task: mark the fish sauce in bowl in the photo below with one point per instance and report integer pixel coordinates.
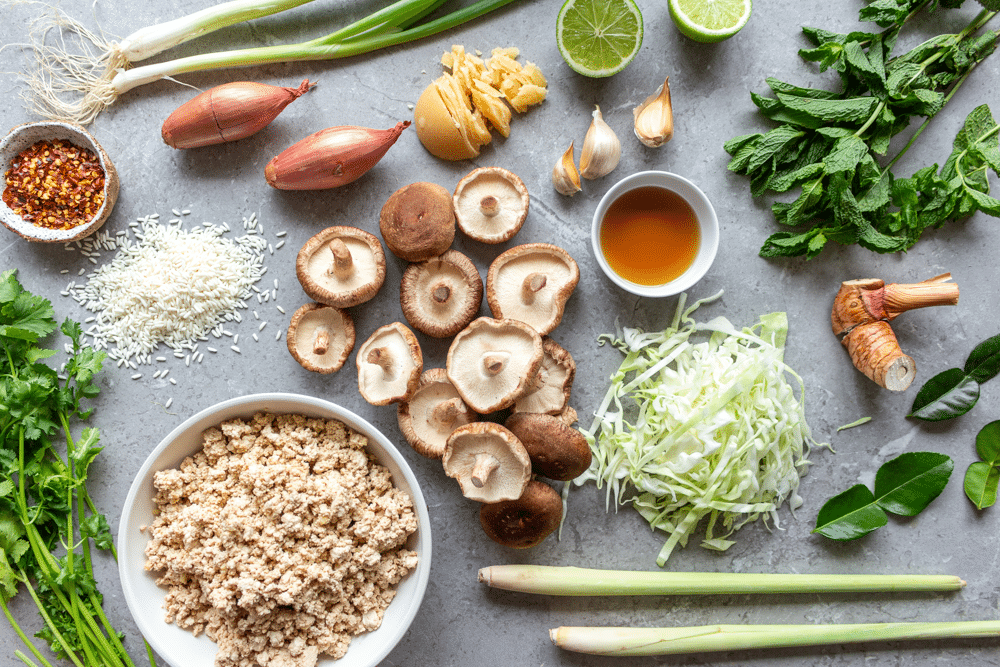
(650, 235)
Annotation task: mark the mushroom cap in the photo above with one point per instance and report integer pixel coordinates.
(341, 283)
(434, 410)
(440, 296)
(526, 521)
(491, 362)
(551, 388)
(532, 283)
(491, 204)
(489, 463)
(417, 221)
(389, 365)
(557, 451)
(320, 337)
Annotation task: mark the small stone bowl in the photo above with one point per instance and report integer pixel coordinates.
(708, 226)
(24, 136)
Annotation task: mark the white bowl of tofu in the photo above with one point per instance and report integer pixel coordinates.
(273, 569)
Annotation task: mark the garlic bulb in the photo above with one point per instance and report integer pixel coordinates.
(654, 118)
(565, 177)
(601, 149)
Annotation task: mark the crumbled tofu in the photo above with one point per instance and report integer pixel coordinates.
(281, 539)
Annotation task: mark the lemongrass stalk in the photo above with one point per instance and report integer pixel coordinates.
(151, 40)
(701, 639)
(577, 581)
(318, 49)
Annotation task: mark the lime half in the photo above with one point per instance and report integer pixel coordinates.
(710, 20)
(599, 37)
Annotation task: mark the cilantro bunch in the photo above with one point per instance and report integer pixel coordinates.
(828, 144)
(47, 519)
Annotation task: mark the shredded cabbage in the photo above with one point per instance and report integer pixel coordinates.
(711, 429)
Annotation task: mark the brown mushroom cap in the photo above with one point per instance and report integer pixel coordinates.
(389, 365)
(341, 266)
(491, 204)
(489, 463)
(526, 521)
(552, 386)
(557, 451)
(491, 362)
(434, 410)
(417, 222)
(532, 283)
(320, 337)
(440, 296)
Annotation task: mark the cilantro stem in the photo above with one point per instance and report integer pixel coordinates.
(24, 638)
(70, 654)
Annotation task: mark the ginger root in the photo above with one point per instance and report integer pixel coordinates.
(861, 313)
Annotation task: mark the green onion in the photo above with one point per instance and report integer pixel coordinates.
(670, 641)
(577, 581)
(77, 87)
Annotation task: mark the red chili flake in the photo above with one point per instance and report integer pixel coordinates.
(55, 184)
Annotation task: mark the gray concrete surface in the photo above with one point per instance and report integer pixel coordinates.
(461, 622)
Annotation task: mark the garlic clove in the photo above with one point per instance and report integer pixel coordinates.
(654, 118)
(601, 149)
(565, 177)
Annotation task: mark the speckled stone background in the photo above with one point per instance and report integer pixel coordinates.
(462, 622)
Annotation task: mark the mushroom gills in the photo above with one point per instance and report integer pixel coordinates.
(433, 412)
(550, 390)
(350, 264)
(389, 365)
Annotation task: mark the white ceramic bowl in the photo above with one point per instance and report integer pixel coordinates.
(179, 647)
(24, 136)
(708, 224)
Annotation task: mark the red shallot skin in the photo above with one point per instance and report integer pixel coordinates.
(330, 158)
(228, 112)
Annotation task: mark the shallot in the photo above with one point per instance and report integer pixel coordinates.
(228, 112)
(330, 158)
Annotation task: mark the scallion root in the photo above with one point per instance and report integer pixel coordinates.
(74, 66)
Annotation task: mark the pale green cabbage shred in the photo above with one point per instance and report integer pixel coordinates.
(690, 430)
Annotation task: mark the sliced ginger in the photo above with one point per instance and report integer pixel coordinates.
(478, 91)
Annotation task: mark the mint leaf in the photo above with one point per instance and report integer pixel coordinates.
(856, 109)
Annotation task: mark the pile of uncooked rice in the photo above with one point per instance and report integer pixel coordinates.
(169, 285)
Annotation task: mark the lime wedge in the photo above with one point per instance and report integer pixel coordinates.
(599, 37)
(710, 20)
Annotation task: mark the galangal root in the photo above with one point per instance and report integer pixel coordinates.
(861, 313)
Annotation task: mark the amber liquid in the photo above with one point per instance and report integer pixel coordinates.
(650, 235)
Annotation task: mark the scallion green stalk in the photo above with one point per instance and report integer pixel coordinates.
(340, 44)
(151, 40)
(706, 638)
(64, 87)
(577, 581)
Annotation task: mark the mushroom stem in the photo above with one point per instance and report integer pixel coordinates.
(441, 292)
(343, 263)
(381, 356)
(533, 284)
(494, 362)
(489, 206)
(446, 412)
(483, 468)
(322, 341)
